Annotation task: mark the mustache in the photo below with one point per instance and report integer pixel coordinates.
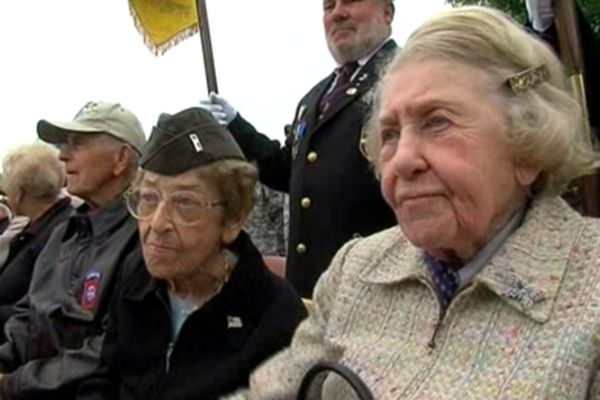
(342, 25)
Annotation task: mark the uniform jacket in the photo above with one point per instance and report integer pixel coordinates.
(253, 317)
(334, 195)
(55, 337)
(527, 327)
(24, 249)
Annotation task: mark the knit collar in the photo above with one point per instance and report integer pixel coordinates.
(525, 272)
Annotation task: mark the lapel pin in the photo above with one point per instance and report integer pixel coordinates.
(234, 322)
(351, 91)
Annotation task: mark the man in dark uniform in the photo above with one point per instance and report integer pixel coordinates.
(55, 337)
(334, 195)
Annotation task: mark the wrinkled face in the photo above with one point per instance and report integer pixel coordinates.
(445, 170)
(174, 251)
(90, 163)
(354, 28)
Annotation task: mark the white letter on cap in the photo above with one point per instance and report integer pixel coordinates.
(196, 142)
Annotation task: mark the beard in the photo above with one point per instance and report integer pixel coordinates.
(365, 41)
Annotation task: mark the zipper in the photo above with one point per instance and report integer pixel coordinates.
(168, 356)
(171, 344)
(440, 322)
(438, 326)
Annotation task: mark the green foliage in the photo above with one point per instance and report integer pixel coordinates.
(516, 8)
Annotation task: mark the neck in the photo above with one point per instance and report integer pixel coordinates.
(34, 209)
(108, 193)
(203, 283)
(463, 254)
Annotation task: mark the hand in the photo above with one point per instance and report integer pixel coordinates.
(223, 112)
(540, 14)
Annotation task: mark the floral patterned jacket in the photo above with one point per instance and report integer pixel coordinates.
(527, 327)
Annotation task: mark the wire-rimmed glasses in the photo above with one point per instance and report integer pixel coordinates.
(185, 207)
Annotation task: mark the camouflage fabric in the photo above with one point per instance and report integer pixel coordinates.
(267, 224)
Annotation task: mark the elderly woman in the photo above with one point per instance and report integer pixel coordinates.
(489, 288)
(198, 309)
(33, 179)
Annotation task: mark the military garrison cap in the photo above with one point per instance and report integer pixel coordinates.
(189, 139)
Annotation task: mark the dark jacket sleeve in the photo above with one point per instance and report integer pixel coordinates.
(34, 378)
(103, 383)
(14, 282)
(273, 160)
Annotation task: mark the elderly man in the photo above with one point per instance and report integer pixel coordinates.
(33, 180)
(333, 194)
(54, 340)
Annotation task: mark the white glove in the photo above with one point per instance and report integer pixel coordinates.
(540, 14)
(223, 112)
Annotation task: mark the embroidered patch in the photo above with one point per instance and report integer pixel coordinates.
(91, 291)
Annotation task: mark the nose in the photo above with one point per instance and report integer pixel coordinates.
(64, 152)
(339, 12)
(408, 160)
(161, 219)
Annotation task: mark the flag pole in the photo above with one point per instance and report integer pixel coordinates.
(571, 52)
(207, 53)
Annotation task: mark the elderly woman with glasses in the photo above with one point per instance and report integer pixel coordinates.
(489, 287)
(198, 309)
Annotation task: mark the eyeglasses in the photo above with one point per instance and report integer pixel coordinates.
(185, 207)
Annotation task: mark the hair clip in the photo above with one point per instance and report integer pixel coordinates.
(528, 79)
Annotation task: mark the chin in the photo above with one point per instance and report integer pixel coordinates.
(157, 271)
(426, 235)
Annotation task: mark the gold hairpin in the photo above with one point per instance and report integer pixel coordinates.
(528, 79)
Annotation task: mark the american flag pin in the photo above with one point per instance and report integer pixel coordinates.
(234, 322)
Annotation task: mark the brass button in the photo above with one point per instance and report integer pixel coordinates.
(305, 202)
(312, 157)
(301, 248)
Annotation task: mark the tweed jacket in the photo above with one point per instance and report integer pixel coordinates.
(525, 328)
(334, 195)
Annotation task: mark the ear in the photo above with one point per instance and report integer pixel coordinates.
(232, 229)
(526, 173)
(122, 160)
(389, 12)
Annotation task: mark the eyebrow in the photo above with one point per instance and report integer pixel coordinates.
(185, 186)
(418, 107)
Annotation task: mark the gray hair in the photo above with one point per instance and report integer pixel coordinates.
(545, 124)
(34, 169)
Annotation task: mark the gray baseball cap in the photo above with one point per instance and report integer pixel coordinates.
(97, 117)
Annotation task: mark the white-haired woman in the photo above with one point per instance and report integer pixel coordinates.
(489, 287)
(33, 179)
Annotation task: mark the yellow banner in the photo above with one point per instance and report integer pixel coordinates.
(164, 23)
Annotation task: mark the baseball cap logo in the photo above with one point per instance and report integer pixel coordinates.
(89, 106)
(196, 142)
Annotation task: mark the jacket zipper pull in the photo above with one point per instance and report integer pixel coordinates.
(168, 356)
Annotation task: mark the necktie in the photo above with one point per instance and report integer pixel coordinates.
(445, 280)
(342, 82)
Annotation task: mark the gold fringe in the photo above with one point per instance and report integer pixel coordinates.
(161, 48)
